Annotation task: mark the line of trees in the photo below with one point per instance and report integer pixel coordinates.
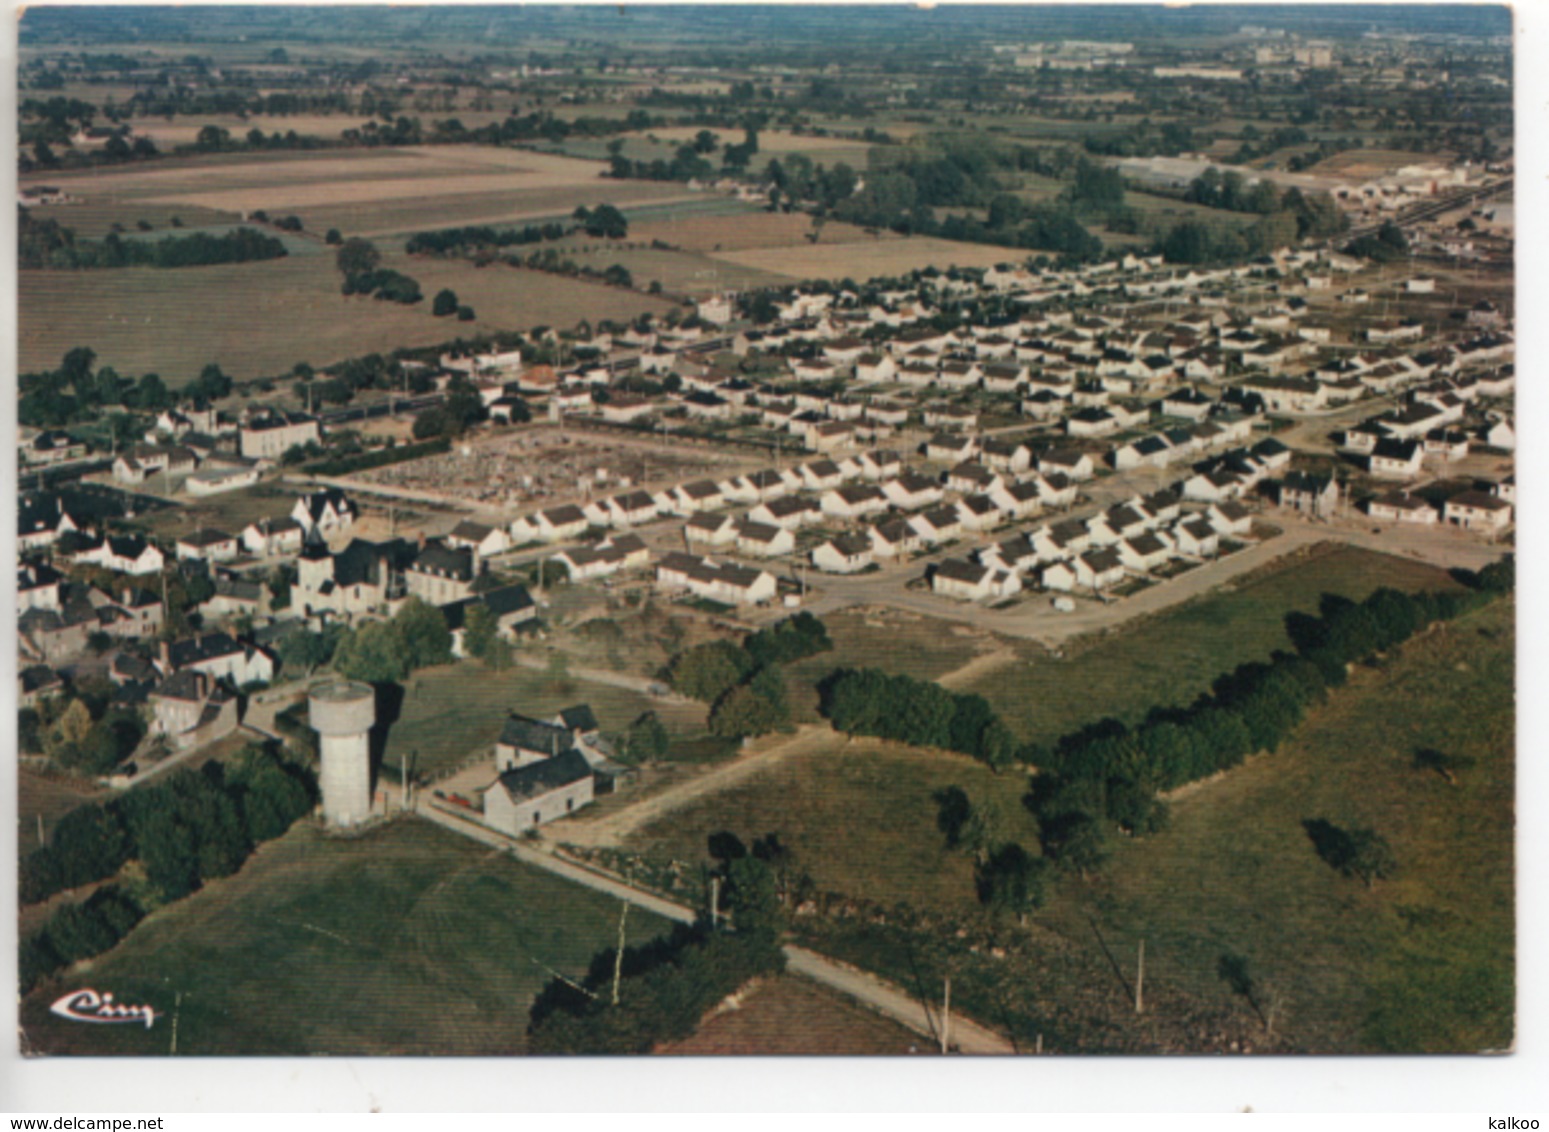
(48, 244)
(444, 241)
(743, 682)
(1109, 774)
(866, 701)
(192, 827)
(658, 992)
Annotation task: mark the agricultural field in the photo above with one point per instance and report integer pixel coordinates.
(861, 821)
(1171, 658)
(1421, 963)
(1360, 163)
(679, 273)
(450, 713)
(175, 322)
(871, 258)
(407, 940)
(787, 1015)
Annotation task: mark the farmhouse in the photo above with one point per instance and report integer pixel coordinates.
(527, 797)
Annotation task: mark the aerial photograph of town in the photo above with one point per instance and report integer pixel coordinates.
(765, 530)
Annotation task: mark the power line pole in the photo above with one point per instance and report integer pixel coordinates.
(1140, 981)
(946, 1015)
(715, 898)
(618, 957)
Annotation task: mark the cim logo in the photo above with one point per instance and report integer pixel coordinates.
(87, 1005)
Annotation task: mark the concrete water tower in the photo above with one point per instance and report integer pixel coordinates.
(342, 714)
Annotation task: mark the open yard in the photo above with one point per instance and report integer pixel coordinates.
(452, 712)
(408, 940)
(875, 256)
(1170, 658)
(860, 821)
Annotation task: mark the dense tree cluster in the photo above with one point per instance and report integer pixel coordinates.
(82, 731)
(444, 241)
(1386, 245)
(48, 244)
(742, 682)
(659, 992)
(383, 652)
(191, 827)
(866, 701)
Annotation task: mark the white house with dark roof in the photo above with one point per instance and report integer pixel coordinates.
(271, 537)
(1401, 507)
(209, 545)
(327, 512)
(710, 530)
(481, 539)
(1478, 511)
(844, 554)
(763, 540)
(971, 581)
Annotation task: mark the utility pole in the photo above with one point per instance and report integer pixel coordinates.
(946, 1015)
(618, 956)
(177, 1004)
(403, 781)
(40, 831)
(715, 897)
(1140, 981)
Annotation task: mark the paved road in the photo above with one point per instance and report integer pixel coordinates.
(965, 1035)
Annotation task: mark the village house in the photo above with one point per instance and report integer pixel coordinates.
(218, 655)
(938, 525)
(267, 538)
(209, 545)
(125, 554)
(712, 530)
(911, 491)
(40, 520)
(325, 513)
(1144, 552)
(854, 501)
(604, 558)
(1230, 517)
(1396, 459)
(510, 607)
(1068, 462)
(844, 554)
(191, 708)
(362, 578)
(879, 464)
(726, 583)
(1317, 496)
(1402, 507)
(1196, 537)
(693, 498)
(970, 581)
(37, 586)
(554, 524)
(1018, 500)
(524, 798)
(1478, 511)
(269, 435)
(763, 540)
(894, 538)
(441, 573)
(482, 540)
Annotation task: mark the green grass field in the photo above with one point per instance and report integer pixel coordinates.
(450, 712)
(1171, 658)
(408, 940)
(861, 820)
(1422, 963)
